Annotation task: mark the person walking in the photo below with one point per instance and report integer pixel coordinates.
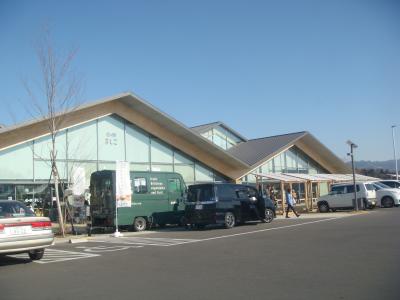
(290, 203)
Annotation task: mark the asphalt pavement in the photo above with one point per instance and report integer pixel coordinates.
(336, 256)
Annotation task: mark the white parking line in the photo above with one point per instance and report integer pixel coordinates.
(258, 231)
(162, 242)
(101, 249)
(55, 255)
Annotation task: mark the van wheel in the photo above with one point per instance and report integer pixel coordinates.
(387, 202)
(323, 207)
(229, 220)
(36, 254)
(269, 215)
(139, 224)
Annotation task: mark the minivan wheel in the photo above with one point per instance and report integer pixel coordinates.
(229, 220)
(269, 215)
(139, 224)
(36, 254)
(323, 207)
(387, 202)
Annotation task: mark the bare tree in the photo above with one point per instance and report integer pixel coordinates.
(56, 93)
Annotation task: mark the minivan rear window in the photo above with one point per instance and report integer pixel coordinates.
(200, 193)
(370, 187)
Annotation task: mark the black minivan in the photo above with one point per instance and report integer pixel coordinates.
(226, 204)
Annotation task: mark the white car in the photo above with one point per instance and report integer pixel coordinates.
(391, 183)
(22, 232)
(341, 196)
(386, 196)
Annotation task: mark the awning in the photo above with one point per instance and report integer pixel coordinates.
(298, 177)
(280, 177)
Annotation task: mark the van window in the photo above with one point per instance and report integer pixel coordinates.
(140, 185)
(242, 194)
(370, 187)
(350, 188)
(201, 193)
(252, 192)
(174, 185)
(226, 192)
(338, 189)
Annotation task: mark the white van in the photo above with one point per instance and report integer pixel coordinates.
(341, 196)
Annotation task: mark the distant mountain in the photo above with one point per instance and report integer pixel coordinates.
(384, 165)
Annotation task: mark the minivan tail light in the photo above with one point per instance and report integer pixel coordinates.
(41, 225)
(1, 228)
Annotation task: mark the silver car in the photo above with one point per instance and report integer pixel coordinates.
(22, 232)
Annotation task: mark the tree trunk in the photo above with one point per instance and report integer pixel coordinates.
(60, 215)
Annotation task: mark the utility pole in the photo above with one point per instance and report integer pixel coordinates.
(352, 147)
(394, 152)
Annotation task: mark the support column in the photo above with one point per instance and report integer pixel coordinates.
(283, 196)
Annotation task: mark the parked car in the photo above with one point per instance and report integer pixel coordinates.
(341, 196)
(391, 183)
(226, 204)
(386, 196)
(22, 232)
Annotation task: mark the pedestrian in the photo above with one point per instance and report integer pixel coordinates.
(272, 196)
(290, 203)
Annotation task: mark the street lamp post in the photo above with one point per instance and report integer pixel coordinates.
(394, 152)
(353, 146)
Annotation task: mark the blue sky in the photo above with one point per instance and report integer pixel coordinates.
(263, 67)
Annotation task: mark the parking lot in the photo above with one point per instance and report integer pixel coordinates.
(347, 256)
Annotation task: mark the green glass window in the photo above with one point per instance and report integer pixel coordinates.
(17, 162)
(162, 167)
(160, 153)
(140, 167)
(82, 141)
(137, 145)
(203, 174)
(43, 169)
(182, 159)
(43, 146)
(187, 172)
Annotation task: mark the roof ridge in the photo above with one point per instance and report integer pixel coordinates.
(266, 137)
(216, 122)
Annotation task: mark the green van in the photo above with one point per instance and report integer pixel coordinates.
(157, 198)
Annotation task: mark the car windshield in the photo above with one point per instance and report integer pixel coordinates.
(381, 185)
(200, 193)
(14, 209)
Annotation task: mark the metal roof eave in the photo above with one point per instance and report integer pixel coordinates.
(180, 129)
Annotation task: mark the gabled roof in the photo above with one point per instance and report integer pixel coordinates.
(253, 151)
(141, 113)
(258, 151)
(206, 127)
(233, 163)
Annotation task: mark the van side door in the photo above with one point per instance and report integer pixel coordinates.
(243, 195)
(348, 199)
(175, 192)
(335, 197)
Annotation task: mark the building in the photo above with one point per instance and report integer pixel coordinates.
(125, 127)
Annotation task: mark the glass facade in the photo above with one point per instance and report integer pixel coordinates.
(222, 137)
(292, 160)
(96, 145)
